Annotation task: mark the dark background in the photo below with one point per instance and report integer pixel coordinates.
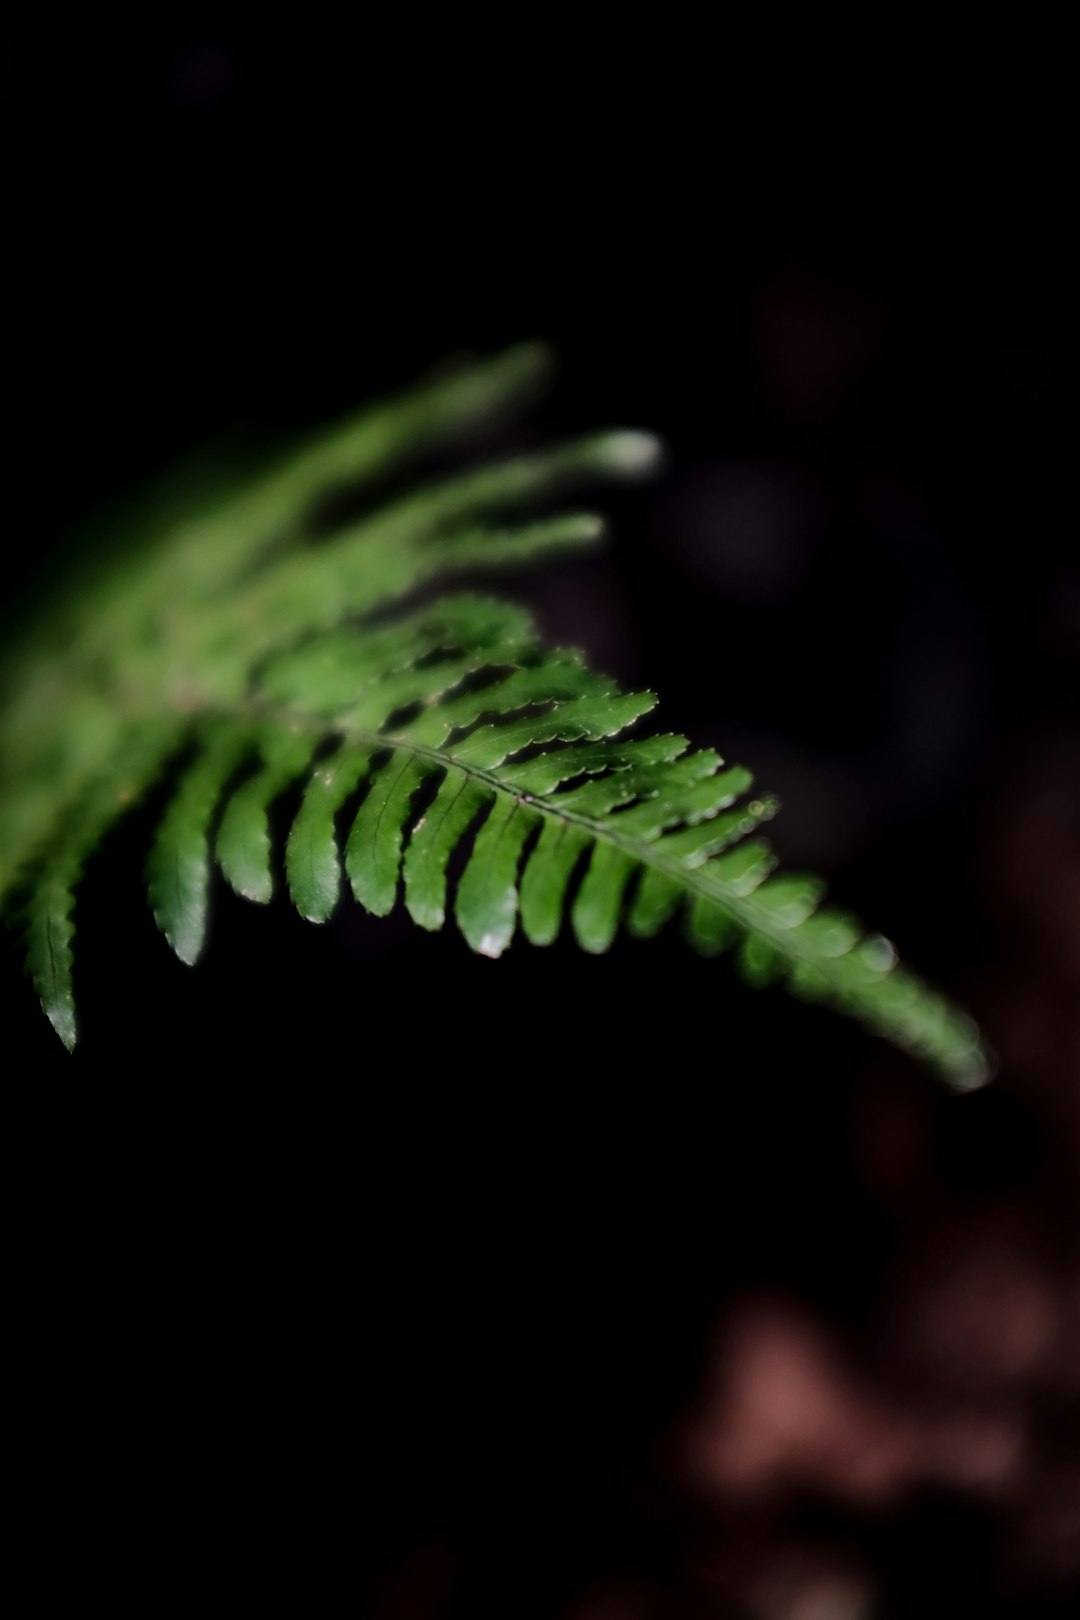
(351, 1262)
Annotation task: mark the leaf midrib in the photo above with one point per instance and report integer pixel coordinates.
(757, 919)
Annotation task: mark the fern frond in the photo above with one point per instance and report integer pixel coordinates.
(277, 666)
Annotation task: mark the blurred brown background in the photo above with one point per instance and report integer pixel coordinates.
(351, 1267)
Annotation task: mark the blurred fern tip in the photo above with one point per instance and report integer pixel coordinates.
(228, 657)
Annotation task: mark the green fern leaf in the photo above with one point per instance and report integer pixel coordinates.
(274, 666)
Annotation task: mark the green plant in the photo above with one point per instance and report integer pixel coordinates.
(228, 648)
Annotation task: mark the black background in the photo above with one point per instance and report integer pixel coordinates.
(349, 1239)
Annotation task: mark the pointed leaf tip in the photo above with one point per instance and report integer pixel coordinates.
(61, 1016)
(632, 452)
